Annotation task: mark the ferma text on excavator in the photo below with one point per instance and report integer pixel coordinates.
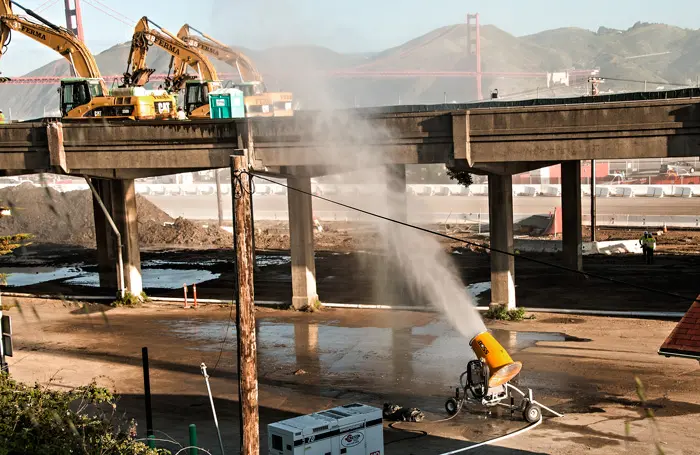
(84, 96)
(183, 56)
(251, 81)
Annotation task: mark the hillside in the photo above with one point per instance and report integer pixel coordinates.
(657, 53)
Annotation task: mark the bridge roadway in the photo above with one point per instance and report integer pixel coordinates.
(494, 138)
(502, 138)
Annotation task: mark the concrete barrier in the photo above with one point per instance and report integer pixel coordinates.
(654, 191)
(683, 191)
(441, 190)
(528, 191)
(480, 190)
(612, 247)
(551, 191)
(602, 191)
(589, 248)
(623, 191)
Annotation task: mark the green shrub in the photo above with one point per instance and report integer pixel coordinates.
(129, 300)
(502, 313)
(38, 420)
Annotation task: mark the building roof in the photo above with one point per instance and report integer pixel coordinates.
(684, 341)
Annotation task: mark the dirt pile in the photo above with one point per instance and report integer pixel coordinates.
(67, 218)
(184, 233)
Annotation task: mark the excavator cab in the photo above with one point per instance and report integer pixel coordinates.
(76, 92)
(196, 96)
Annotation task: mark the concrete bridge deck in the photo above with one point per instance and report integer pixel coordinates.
(498, 139)
(458, 135)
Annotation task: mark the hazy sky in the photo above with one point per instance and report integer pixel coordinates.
(342, 25)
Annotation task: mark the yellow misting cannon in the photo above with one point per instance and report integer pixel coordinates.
(487, 380)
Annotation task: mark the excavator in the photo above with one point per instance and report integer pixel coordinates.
(197, 88)
(251, 80)
(84, 96)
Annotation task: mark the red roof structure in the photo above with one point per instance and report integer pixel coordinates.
(684, 341)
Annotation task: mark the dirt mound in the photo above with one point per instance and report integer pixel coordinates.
(183, 232)
(67, 218)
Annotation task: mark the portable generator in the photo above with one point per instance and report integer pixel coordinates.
(353, 429)
(487, 381)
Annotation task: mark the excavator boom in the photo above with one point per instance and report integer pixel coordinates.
(251, 80)
(85, 96)
(182, 54)
(57, 38)
(246, 68)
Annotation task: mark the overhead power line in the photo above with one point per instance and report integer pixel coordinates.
(486, 247)
(103, 4)
(46, 5)
(113, 16)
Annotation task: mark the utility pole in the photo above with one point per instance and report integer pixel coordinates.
(245, 311)
(219, 202)
(3, 366)
(593, 201)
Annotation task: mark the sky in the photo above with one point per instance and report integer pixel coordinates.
(341, 25)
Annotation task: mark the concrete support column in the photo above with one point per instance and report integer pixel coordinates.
(501, 236)
(396, 189)
(389, 280)
(125, 217)
(572, 235)
(301, 238)
(104, 236)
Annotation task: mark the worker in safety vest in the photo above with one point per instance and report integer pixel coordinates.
(2, 118)
(643, 244)
(651, 246)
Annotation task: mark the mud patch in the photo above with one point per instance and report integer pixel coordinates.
(563, 321)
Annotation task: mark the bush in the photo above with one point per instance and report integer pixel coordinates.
(130, 300)
(502, 313)
(463, 177)
(38, 420)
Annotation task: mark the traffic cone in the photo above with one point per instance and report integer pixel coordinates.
(665, 228)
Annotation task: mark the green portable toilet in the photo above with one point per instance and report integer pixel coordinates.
(226, 103)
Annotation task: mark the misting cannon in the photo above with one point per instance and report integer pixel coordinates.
(487, 381)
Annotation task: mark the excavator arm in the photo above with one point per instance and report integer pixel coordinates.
(182, 54)
(207, 44)
(57, 38)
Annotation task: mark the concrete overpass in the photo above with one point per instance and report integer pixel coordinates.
(498, 139)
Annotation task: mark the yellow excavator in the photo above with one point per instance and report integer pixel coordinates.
(84, 96)
(251, 80)
(197, 88)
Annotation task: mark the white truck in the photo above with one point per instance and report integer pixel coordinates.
(353, 429)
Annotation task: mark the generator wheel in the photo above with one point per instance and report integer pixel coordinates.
(451, 406)
(532, 413)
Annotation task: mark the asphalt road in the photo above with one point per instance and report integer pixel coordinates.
(204, 206)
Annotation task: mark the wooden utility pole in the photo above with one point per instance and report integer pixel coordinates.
(593, 202)
(219, 201)
(245, 311)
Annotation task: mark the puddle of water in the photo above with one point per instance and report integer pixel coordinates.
(263, 260)
(433, 353)
(26, 276)
(155, 263)
(479, 288)
(155, 278)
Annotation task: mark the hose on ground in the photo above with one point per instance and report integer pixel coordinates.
(532, 426)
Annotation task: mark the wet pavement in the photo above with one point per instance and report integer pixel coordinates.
(584, 367)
